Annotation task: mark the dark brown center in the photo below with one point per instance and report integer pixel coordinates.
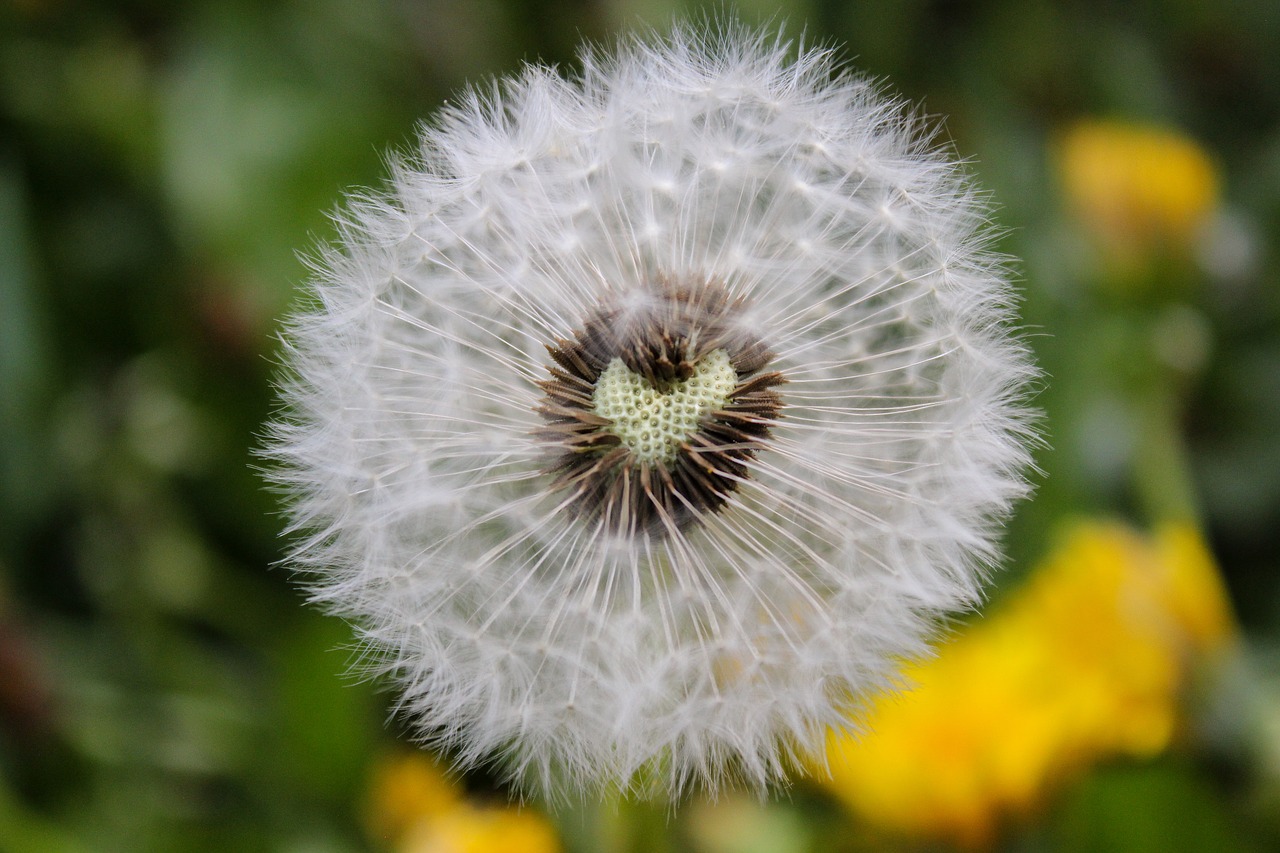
(661, 338)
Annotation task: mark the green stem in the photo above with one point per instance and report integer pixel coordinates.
(618, 824)
(1162, 470)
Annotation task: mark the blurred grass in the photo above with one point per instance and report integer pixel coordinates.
(161, 165)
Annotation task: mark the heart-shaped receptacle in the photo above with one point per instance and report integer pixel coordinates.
(653, 422)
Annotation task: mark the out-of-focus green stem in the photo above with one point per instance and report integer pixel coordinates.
(1162, 471)
(618, 824)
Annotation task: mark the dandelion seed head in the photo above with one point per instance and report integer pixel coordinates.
(653, 415)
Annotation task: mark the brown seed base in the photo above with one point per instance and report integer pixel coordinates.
(662, 340)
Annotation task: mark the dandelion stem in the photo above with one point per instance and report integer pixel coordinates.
(1162, 469)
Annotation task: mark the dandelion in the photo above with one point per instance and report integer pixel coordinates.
(1139, 190)
(1091, 659)
(406, 790)
(489, 829)
(655, 413)
(414, 808)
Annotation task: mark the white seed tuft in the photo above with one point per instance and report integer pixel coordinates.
(599, 616)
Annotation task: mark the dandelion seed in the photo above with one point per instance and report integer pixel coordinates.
(655, 413)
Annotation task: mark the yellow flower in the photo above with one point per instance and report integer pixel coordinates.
(1196, 594)
(1139, 190)
(1086, 661)
(405, 789)
(414, 806)
(483, 830)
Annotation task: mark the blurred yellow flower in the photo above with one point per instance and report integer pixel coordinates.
(1139, 190)
(416, 808)
(1087, 660)
(405, 789)
(483, 830)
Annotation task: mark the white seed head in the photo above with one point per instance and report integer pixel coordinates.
(654, 415)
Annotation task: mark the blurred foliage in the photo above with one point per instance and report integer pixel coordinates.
(162, 688)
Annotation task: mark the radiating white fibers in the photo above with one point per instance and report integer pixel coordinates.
(590, 619)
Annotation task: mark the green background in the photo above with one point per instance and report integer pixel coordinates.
(163, 687)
